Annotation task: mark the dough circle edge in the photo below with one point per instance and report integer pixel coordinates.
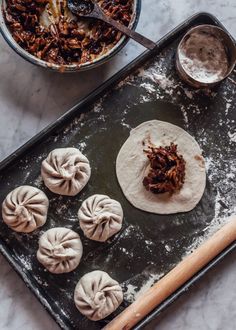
(131, 164)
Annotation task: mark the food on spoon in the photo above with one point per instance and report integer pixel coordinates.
(97, 295)
(25, 209)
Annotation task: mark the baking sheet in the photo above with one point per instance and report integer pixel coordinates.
(148, 245)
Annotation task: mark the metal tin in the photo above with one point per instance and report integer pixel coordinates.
(66, 68)
(230, 48)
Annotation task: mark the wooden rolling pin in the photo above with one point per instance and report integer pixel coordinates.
(175, 278)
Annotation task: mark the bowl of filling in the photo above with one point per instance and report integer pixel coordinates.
(46, 33)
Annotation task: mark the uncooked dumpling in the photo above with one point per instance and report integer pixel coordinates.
(66, 171)
(97, 295)
(132, 165)
(100, 217)
(25, 209)
(60, 250)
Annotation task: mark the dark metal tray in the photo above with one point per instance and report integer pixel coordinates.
(148, 245)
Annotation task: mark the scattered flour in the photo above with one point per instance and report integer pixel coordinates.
(27, 175)
(224, 202)
(38, 182)
(232, 136)
(25, 260)
(144, 99)
(98, 106)
(125, 251)
(123, 123)
(133, 291)
(130, 293)
(152, 74)
(168, 248)
(82, 146)
(40, 281)
(227, 107)
(149, 87)
(153, 278)
(74, 124)
(185, 114)
(188, 94)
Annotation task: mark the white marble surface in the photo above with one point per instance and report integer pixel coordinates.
(31, 98)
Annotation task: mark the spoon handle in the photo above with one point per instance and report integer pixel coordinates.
(122, 28)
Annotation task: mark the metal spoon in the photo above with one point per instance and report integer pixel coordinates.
(88, 8)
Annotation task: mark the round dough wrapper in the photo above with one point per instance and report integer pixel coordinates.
(60, 250)
(132, 165)
(100, 217)
(66, 171)
(25, 209)
(97, 295)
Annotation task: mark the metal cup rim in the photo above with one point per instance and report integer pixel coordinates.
(198, 83)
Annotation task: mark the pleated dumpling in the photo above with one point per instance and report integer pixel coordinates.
(97, 295)
(25, 209)
(60, 250)
(65, 171)
(100, 217)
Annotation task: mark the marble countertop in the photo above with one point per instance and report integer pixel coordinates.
(31, 98)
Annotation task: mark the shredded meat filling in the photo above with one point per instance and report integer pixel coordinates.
(65, 42)
(167, 169)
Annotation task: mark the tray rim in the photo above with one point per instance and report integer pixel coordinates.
(125, 71)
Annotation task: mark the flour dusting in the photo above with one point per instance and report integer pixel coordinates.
(232, 136)
(133, 291)
(151, 280)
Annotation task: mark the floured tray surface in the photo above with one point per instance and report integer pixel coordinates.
(148, 245)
